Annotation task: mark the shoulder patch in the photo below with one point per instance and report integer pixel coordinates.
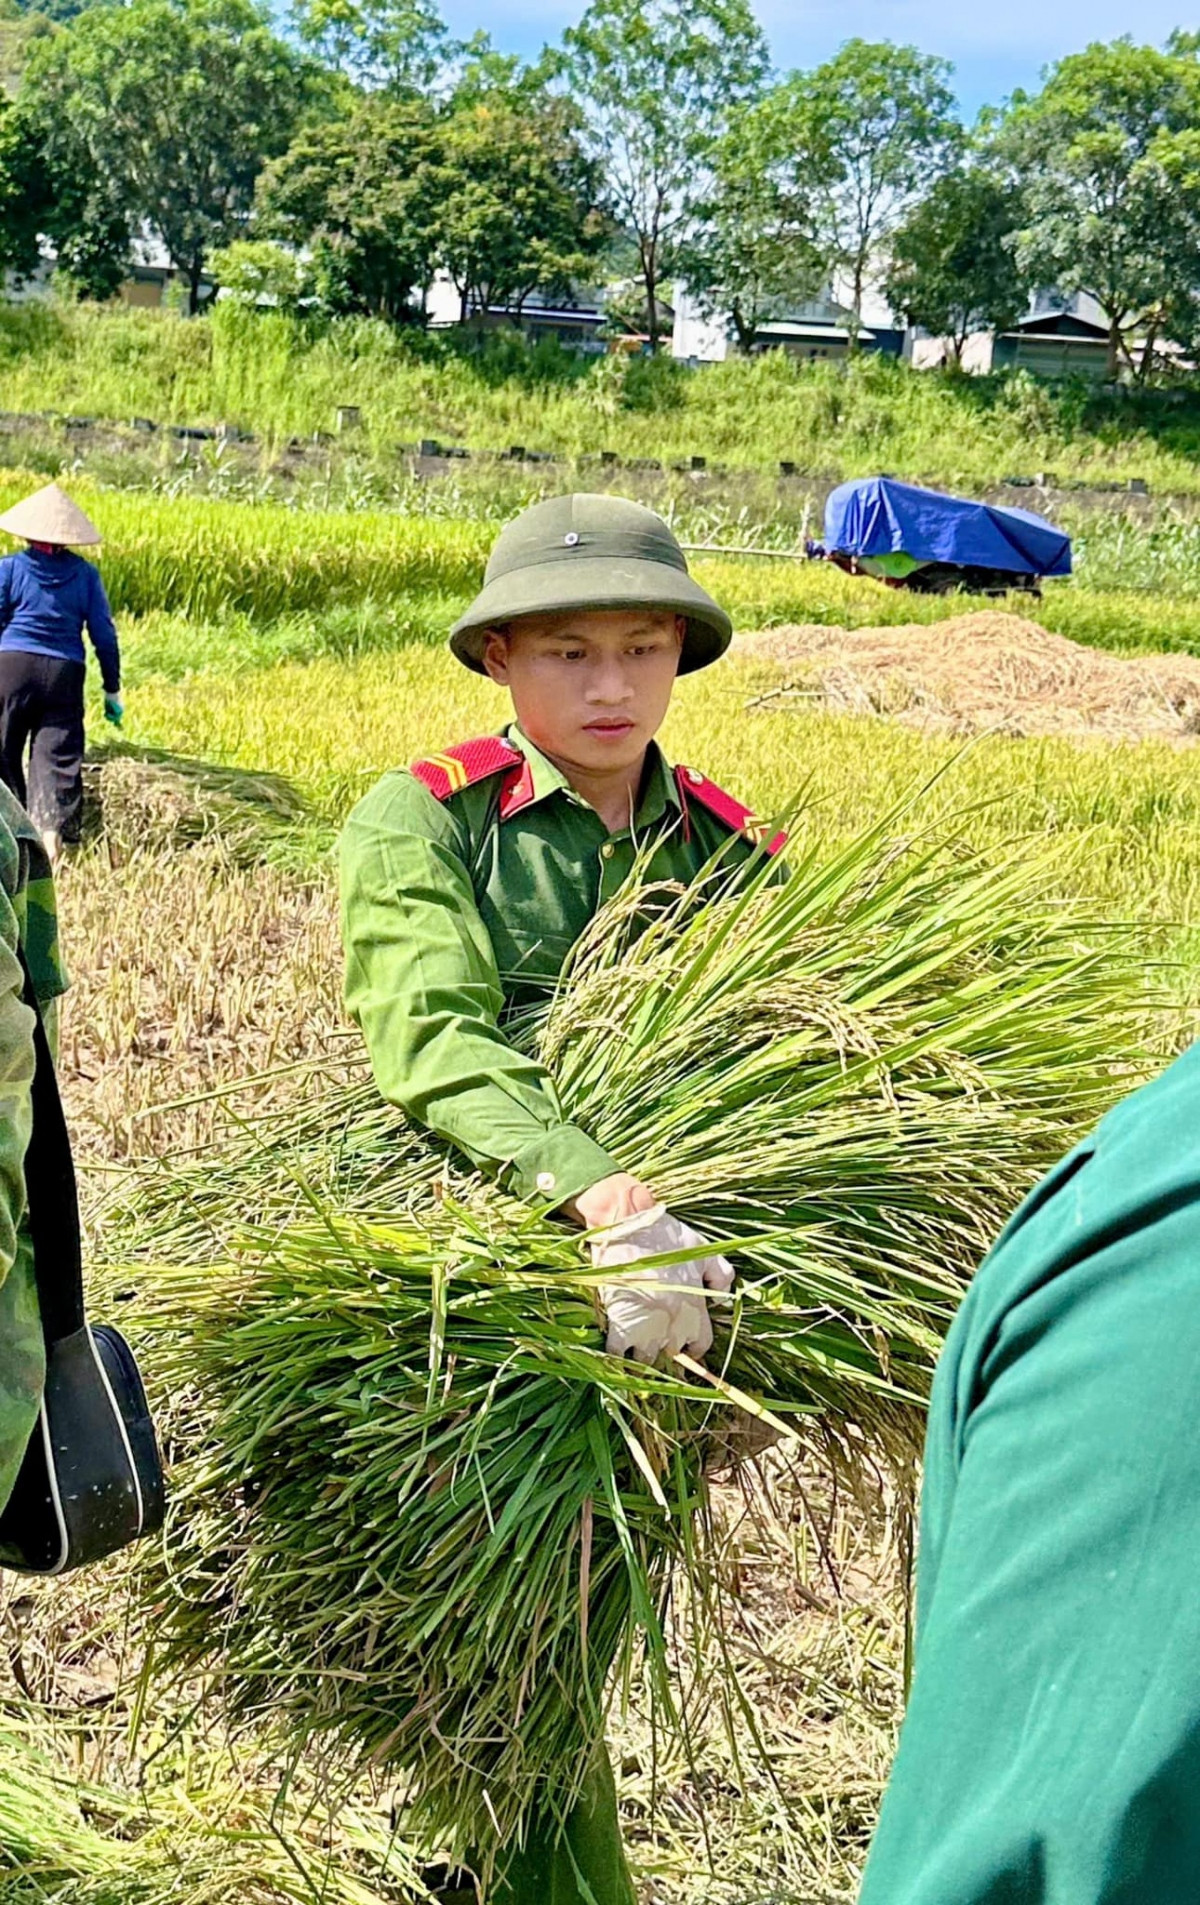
(738, 818)
(462, 766)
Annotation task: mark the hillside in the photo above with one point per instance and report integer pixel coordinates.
(280, 378)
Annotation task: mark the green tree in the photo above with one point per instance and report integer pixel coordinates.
(49, 189)
(86, 222)
(519, 210)
(658, 80)
(486, 76)
(1105, 155)
(874, 126)
(19, 28)
(43, 11)
(755, 254)
(176, 105)
(399, 46)
(24, 192)
(362, 194)
(256, 271)
(953, 268)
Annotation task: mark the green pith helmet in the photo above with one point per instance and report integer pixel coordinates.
(590, 552)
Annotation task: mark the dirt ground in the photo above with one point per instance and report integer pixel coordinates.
(982, 672)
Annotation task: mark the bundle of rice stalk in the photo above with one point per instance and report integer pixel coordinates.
(423, 1515)
(143, 798)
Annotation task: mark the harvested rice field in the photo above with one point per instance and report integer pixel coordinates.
(1042, 797)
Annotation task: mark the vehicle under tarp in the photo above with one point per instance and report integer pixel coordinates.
(924, 539)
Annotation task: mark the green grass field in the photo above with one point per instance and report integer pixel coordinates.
(281, 378)
(201, 934)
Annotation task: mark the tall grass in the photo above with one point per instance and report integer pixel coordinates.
(285, 378)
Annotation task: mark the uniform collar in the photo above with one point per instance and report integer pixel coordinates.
(661, 791)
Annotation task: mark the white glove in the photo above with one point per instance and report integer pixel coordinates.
(664, 1308)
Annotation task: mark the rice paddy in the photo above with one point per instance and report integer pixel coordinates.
(278, 661)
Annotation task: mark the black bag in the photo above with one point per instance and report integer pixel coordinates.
(91, 1480)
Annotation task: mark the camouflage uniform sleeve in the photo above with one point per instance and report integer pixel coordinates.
(22, 1355)
(16, 1054)
(30, 891)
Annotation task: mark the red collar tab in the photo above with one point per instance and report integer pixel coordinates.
(739, 819)
(517, 791)
(463, 766)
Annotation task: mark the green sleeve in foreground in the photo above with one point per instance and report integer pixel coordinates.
(16, 1085)
(1050, 1754)
(422, 983)
(27, 918)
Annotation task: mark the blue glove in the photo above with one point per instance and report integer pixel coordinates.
(114, 709)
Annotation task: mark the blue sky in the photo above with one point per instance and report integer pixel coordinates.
(995, 45)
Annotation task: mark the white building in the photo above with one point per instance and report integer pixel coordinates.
(815, 330)
(573, 319)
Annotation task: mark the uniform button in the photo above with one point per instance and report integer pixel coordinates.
(546, 1180)
(694, 777)
(607, 850)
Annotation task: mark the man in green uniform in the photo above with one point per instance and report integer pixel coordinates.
(28, 924)
(1051, 1750)
(465, 883)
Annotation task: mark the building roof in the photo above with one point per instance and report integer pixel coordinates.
(811, 333)
(1061, 326)
(557, 313)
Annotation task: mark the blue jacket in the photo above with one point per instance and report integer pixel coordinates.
(46, 601)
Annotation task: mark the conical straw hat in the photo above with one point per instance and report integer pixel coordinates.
(50, 516)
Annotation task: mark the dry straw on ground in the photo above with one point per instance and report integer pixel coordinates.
(984, 671)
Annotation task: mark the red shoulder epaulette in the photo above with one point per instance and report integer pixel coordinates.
(739, 819)
(462, 766)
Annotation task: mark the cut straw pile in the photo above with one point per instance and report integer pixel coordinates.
(986, 671)
(422, 1516)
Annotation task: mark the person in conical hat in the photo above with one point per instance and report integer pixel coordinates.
(48, 597)
(466, 880)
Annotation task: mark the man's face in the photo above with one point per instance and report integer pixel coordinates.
(589, 687)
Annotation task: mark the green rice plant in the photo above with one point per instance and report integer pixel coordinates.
(204, 586)
(422, 1516)
(206, 560)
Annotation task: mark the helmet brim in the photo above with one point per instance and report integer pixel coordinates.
(599, 583)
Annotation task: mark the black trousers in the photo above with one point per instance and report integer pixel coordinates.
(41, 707)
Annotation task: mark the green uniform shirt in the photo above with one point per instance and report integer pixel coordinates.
(1051, 1750)
(451, 916)
(27, 918)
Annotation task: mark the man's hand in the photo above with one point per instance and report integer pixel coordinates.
(114, 710)
(664, 1310)
(610, 1201)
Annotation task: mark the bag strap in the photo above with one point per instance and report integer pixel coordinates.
(51, 1193)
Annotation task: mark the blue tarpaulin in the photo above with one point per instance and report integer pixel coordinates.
(876, 516)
